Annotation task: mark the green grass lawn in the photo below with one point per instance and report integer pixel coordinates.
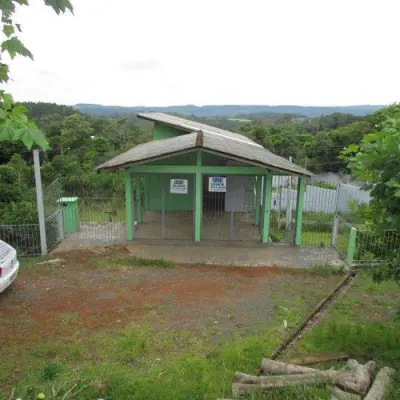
(53, 342)
(364, 323)
(51, 338)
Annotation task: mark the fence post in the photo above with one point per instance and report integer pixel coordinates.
(288, 216)
(60, 224)
(352, 246)
(299, 211)
(39, 202)
(258, 199)
(335, 227)
(129, 205)
(266, 212)
(138, 193)
(198, 201)
(163, 182)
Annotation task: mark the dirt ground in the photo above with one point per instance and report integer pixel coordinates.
(76, 296)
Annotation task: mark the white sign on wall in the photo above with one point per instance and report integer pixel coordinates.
(179, 186)
(216, 184)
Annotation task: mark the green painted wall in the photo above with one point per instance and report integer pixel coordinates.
(182, 159)
(162, 131)
(154, 186)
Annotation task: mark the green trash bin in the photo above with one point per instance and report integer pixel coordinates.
(69, 206)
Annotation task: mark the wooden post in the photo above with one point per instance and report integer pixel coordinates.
(128, 205)
(352, 246)
(299, 211)
(267, 206)
(198, 199)
(138, 192)
(258, 199)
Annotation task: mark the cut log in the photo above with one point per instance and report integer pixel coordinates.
(278, 367)
(280, 381)
(239, 389)
(272, 381)
(338, 394)
(318, 358)
(356, 377)
(267, 383)
(245, 378)
(381, 385)
(353, 377)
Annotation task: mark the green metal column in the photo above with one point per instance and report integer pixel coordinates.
(352, 246)
(267, 206)
(128, 205)
(299, 211)
(198, 199)
(138, 191)
(258, 199)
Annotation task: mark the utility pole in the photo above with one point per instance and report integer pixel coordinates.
(39, 202)
(289, 201)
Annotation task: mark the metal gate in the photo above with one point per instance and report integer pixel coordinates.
(164, 207)
(230, 213)
(283, 203)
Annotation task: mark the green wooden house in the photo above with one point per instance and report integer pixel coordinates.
(197, 182)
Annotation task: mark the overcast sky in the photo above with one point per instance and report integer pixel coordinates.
(168, 52)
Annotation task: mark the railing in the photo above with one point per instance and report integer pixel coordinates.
(375, 248)
(341, 235)
(24, 238)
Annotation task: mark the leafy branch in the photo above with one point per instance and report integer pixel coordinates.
(14, 124)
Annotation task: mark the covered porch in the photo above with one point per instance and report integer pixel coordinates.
(201, 187)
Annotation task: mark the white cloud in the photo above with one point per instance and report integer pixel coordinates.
(142, 65)
(307, 52)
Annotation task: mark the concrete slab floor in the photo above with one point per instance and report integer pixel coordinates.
(233, 253)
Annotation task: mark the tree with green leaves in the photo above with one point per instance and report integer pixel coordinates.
(14, 124)
(376, 160)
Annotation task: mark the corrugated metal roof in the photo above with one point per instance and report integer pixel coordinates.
(191, 126)
(229, 147)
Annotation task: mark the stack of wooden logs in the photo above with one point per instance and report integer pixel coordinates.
(352, 382)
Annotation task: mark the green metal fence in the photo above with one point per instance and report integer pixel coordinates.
(371, 247)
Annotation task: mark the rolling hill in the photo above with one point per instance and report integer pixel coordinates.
(229, 110)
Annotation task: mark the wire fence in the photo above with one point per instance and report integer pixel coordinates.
(375, 248)
(340, 235)
(93, 212)
(25, 238)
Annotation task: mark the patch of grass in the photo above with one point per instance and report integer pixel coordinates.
(155, 359)
(364, 324)
(145, 363)
(69, 317)
(55, 350)
(51, 371)
(132, 262)
(326, 270)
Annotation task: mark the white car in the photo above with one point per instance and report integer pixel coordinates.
(9, 265)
